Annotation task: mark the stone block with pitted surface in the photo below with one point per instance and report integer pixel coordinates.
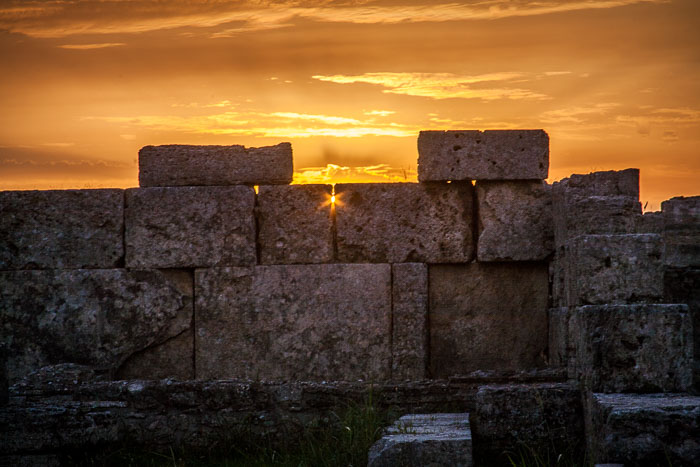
(483, 155)
(61, 229)
(607, 269)
(97, 317)
(632, 348)
(409, 343)
(404, 222)
(487, 316)
(515, 221)
(295, 224)
(186, 227)
(294, 322)
(681, 217)
(182, 165)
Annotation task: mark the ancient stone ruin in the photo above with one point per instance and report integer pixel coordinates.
(218, 296)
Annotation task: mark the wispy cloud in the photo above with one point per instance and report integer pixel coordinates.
(103, 45)
(333, 173)
(60, 19)
(577, 114)
(265, 124)
(444, 85)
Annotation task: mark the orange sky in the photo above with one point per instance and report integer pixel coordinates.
(85, 84)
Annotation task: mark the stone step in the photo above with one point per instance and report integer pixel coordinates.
(442, 439)
(644, 429)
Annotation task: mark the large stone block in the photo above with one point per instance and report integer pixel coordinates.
(409, 344)
(596, 215)
(515, 221)
(483, 155)
(643, 430)
(632, 348)
(92, 317)
(487, 316)
(172, 359)
(61, 229)
(606, 183)
(185, 227)
(559, 337)
(182, 165)
(682, 231)
(557, 277)
(404, 222)
(297, 322)
(425, 440)
(682, 285)
(295, 224)
(542, 417)
(614, 269)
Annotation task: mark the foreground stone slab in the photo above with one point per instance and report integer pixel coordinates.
(187, 227)
(632, 348)
(61, 229)
(295, 224)
(613, 269)
(182, 165)
(483, 155)
(545, 417)
(409, 326)
(297, 322)
(682, 231)
(425, 439)
(515, 221)
(93, 317)
(404, 222)
(641, 430)
(487, 316)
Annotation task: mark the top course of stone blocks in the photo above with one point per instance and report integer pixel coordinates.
(483, 155)
(181, 165)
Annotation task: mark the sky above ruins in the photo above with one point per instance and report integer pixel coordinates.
(615, 83)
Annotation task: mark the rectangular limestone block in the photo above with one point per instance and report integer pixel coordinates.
(96, 317)
(682, 231)
(294, 322)
(185, 227)
(515, 221)
(483, 155)
(183, 165)
(644, 429)
(592, 215)
(409, 344)
(61, 229)
(632, 348)
(614, 269)
(606, 183)
(295, 224)
(404, 222)
(487, 316)
(559, 337)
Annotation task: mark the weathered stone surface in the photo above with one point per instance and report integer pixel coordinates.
(682, 231)
(515, 221)
(182, 165)
(651, 222)
(596, 215)
(185, 227)
(172, 359)
(425, 439)
(483, 155)
(632, 348)
(487, 316)
(545, 417)
(615, 269)
(682, 285)
(643, 430)
(94, 317)
(61, 229)
(558, 337)
(606, 183)
(557, 277)
(404, 222)
(295, 224)
(297, 322)
(409, 343)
